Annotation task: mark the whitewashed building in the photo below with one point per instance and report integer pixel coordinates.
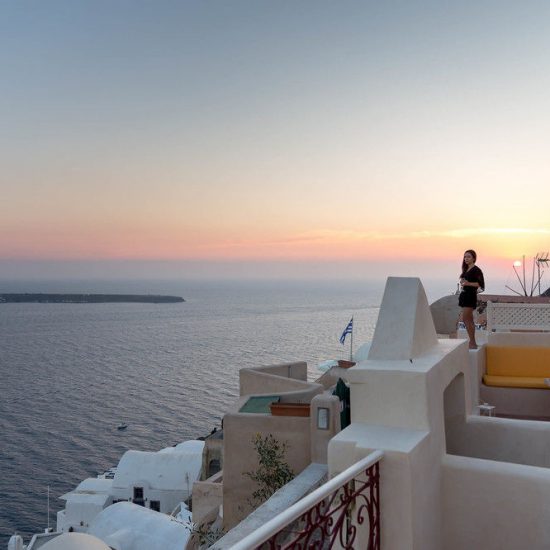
(83, 504)
(158, 480)
(421, 466)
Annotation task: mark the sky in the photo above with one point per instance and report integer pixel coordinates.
(255, 138)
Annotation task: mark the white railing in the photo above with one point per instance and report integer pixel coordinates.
(324, 510)
(503, 316)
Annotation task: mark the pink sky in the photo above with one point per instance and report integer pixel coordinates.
(275, 134)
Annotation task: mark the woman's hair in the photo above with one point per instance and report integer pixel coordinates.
(474, 256)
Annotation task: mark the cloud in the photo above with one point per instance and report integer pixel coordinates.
(492, 231)
(365, 236)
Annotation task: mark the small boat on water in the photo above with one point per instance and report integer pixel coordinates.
(122, 426)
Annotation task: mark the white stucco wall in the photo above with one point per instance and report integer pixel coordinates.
(478, 363)
(240, 456)
(83, 504)
(80, 512)
(490, 505)
(413, 400)
(537, 339)
(405, 417)
(397, 405)
(503, 439)
(405, 450)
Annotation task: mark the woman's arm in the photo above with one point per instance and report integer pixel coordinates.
(481, 280)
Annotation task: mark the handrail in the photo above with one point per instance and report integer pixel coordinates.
(272, 527)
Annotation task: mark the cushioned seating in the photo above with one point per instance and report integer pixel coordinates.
(514, 382)
(519, 367)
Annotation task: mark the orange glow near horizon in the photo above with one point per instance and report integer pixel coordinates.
(290, 150)
(499, 245)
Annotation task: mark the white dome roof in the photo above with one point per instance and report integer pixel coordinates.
(75, 541)
(170, 469)
(131, 527)
(193, 446)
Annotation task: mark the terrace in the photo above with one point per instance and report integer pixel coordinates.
(431, 471)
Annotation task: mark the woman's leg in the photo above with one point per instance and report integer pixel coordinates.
(468, 318)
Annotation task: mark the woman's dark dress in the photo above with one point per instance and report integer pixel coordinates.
(468, 296)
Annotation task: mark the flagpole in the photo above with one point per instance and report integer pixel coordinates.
(348, 330)
(351, 342)
(48, 509)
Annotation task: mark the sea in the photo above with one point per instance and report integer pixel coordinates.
(71, 373)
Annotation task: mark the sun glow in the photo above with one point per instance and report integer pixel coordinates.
(312, 156)
(177, 241)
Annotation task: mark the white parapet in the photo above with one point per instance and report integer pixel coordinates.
(405, 327)
(398, 406)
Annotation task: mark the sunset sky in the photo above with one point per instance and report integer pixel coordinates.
(293, 138)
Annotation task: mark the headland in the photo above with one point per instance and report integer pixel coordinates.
(88, 298)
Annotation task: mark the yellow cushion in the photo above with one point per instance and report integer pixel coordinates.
(527, 362)
(515, 382)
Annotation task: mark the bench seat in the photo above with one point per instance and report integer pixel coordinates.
(516, 366)
(515, 382)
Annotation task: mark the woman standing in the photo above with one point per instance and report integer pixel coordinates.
(471, 280)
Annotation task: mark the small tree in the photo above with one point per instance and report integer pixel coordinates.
(273, 471)
(206, 535)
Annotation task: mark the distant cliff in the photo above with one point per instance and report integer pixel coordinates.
(89, 298)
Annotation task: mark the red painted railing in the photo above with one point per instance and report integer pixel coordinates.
(342, 513)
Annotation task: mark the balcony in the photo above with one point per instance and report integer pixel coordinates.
(342, 513)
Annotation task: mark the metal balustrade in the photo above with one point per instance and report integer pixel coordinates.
(342, 513)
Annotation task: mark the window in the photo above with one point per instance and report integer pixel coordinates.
(155, 505)
(323, 418)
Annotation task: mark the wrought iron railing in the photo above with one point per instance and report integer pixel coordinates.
(342, 513)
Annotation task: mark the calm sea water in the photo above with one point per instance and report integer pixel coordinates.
(70, 373)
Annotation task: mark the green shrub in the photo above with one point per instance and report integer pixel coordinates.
(273, 471)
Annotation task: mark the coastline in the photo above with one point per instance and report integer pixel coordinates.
(43, 298)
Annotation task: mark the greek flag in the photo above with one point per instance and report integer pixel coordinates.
(347, 330)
